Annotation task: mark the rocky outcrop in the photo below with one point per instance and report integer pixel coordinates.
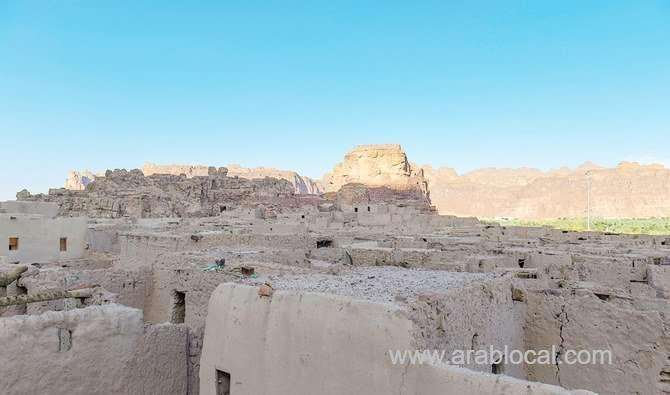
(376, 166)
(189, 171)
(130, 193)
(301, 184)
(628, 191)
(77, 181)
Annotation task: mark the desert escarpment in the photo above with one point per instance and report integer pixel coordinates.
(629, 190)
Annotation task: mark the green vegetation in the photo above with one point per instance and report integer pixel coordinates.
(647, 226)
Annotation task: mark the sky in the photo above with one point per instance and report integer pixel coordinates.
(294, 85)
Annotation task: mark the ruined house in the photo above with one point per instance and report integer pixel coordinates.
(168, 292)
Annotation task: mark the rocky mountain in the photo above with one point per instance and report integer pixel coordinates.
(301, 184)
(122, 193)
(629, 190)
(383, 165)
(626, 191)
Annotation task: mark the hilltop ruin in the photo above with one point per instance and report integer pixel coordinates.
(216, 284)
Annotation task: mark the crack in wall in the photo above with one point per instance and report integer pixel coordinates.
(563, 319)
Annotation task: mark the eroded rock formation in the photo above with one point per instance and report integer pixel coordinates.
(383, 165)
(301, 184)
(189, 171)
(130, 193)
(77, 181)
(627, 191)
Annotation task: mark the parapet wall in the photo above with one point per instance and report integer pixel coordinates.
(305, 343)
(96, 350)
(49, 210)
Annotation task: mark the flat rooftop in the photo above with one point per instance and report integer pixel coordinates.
(379, 284)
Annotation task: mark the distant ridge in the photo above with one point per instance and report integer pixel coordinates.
(629, 190)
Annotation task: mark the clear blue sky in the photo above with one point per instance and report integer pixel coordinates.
(111, 84)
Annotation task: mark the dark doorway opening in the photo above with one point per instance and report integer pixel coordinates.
(178, 307)
(222, 382)
(498, 366)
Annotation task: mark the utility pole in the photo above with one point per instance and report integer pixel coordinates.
(588, 200)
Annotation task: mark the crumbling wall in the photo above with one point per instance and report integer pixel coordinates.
(634, 331)
(142, 249)
(475, 317)
(196, 287)
(303, 343)
(96, 350)
(131, 287)
(104, 239)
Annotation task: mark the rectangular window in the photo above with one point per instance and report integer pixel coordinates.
(324, 243)
(178, 307)
(63, 244)
(222, 382)
(13, 243)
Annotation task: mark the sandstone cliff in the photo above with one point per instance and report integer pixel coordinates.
(627, 191)
(301, 184)
(376, 166)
